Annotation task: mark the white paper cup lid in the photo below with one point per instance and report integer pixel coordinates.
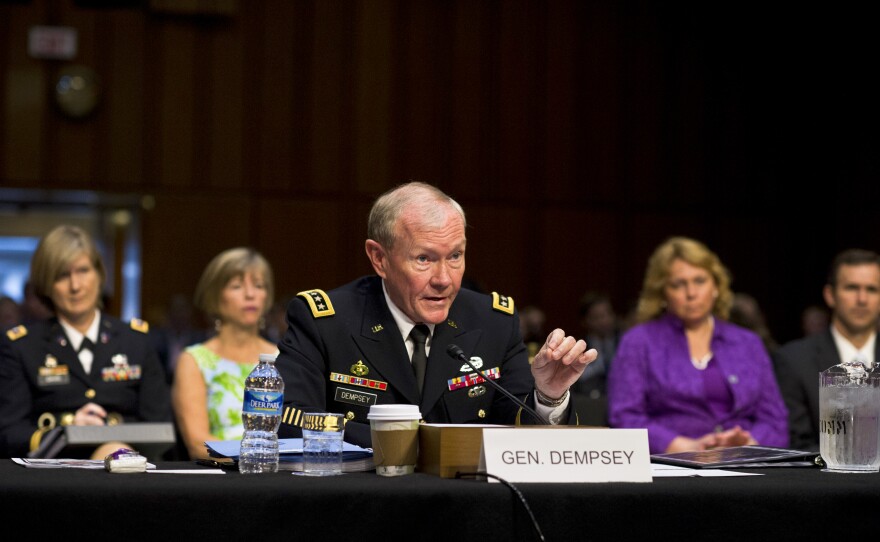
(394, 412)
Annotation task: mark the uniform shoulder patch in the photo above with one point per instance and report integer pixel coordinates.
(502, 303)
(16, 333)
(319, 302)
(139, 325)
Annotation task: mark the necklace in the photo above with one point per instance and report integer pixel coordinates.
(702, 362)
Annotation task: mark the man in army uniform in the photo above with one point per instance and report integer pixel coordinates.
(81, 366)
(383, 339)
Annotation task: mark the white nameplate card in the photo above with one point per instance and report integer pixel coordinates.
(566, 455)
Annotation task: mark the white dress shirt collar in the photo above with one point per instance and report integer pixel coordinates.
(848, 352)
(404, 323)
(75, 337)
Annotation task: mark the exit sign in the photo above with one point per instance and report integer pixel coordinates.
(53, 42)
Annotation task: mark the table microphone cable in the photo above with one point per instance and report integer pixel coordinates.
(515, 490)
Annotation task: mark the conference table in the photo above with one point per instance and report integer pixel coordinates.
(787, 503)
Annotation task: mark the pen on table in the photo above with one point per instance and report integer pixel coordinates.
(215, 464)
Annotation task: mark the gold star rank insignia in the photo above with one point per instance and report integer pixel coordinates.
(319, 302)
(502, 303)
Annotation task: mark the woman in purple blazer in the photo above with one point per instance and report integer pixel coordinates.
(694, 380)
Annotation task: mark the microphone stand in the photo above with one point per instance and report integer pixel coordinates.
(457, 353)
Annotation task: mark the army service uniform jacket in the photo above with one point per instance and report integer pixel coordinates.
(342, 352)
(42, 381)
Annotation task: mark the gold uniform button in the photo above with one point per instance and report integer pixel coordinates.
(90, 393)
(67, 418)
(481, 413)
(114, 418)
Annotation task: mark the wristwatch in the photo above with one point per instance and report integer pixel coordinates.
(546, 401)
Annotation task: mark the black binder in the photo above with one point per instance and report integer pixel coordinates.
(151, 439)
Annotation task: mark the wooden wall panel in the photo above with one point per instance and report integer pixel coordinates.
(273, 143)
(224, 100)
(499, 256)
(279, 124)
(330, 96)
(580, 246)
(123, 99)
(307, 245)
(181, 234)
(374, 105)
(467, 108)
(174, 50)
(24, 100)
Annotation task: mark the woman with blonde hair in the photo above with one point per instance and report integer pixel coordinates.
(81, 366)
(693, 379)
(235, 290)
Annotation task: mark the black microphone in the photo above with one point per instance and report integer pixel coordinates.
(457, 353)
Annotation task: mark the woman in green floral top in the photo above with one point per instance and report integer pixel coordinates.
(236, 291)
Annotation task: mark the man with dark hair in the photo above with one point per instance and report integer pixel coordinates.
(852, 292)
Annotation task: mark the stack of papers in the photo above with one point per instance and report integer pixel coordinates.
(290, 451)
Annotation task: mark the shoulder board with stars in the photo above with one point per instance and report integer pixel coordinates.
(16, 333)
(502, 303)
(319, 302)
(139, 325)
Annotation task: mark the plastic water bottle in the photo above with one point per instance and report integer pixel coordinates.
(261, 415)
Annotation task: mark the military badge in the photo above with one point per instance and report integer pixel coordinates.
(358, 381)
(476, 363)
(121, 370)
(318, 302)
(139, 325)
(16, 333)
(502, 303)
(473, 379)
(355, 397)
(359, 369)
(52, 374)
(477, 391)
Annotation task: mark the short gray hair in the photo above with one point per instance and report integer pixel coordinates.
(428, 200)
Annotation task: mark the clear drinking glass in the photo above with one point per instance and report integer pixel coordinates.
(322, 443)
(849, 418)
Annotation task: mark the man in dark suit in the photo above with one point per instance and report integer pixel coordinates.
(350, 348)
(852, 292)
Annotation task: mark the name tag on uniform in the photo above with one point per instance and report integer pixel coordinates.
(354, 397)
(58, 375)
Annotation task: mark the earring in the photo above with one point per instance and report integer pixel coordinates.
(217, 325)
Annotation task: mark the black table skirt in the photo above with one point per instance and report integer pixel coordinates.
(782, 504)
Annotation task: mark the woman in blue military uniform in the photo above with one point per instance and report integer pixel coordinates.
(80, 367)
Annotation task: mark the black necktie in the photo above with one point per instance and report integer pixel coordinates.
(86, 354)
(86, 344)
(419, 336)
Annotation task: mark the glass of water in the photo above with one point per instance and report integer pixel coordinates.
(849, 418)
(322, 443)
